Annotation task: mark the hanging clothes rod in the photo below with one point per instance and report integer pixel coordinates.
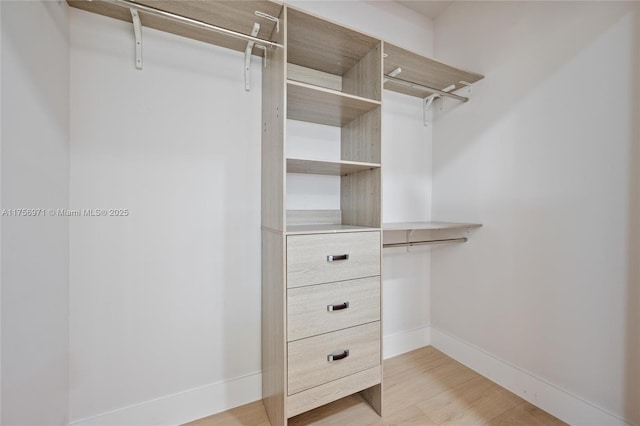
(192, 22)
(424, 243)
(422, 86)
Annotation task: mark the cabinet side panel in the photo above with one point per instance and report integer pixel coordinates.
(273, 131)
(361, 138)
(273, 327)
(360, 198)
(365, 78)
(373, 396)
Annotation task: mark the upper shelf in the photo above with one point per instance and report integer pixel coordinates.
(428, 226)
(306, 102)
(233, 15)
(422, 70)
(316, 43)
(333, 168)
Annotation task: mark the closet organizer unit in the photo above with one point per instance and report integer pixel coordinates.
(321, 317)
(321, 268)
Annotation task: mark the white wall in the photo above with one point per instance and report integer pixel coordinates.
(167, 299)
(165, 303)
(35, 250)
(546, 157)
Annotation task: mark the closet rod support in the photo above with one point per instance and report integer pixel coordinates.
(270, 18)
(422, 86)
(426, 104)
(192, 22)
(137, 32)
(247, 57)
(424, 243)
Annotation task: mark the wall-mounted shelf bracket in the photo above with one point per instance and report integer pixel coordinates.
(270, 18)
(247, 57)
(428, 101)
(426, 104)
(393, 73)
(137, 32)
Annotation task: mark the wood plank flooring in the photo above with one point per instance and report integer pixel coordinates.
(424, 387)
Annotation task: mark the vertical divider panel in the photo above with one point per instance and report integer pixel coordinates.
(360, 198)
(361, 138)
(274, 308)
(363, 79)
(373, 134)
(274, 98)
(360, 193)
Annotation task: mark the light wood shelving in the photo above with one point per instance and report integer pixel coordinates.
(426, 233)
(322, 45)
(419, 69)
(428, 226)
(332, 168)
(233, 15)
(316, 104)
(326, 229)
(335, 79)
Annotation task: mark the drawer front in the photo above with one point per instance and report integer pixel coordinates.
(309, 359)
(323, 258)
(322, 308)
(329, 392)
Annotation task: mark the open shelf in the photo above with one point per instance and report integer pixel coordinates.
(450, 233)
(322, 45)
(325, 229)
(333, 168)
(315, 104)
(428, 226)
(421, 70)
(233, 15)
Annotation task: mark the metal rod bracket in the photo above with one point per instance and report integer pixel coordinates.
(393, 73)
(137, 32)
(408, 83)
(270, 18)
(426, 104)
(426, 242)
(189, 21)
(247, 57)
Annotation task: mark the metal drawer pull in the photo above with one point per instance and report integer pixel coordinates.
(333, 258)
(343, 355)
(332, 308)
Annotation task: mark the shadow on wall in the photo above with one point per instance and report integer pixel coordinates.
(536, 105)
(632, 352)
(512, 68)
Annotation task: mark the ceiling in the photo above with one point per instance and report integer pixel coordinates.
(430, 9)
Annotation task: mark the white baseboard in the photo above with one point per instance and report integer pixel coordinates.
(211, 399)
(184, 406)
(216, 397)
(406, 341)
(558, 402)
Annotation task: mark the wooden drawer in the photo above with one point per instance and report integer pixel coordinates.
(323, 258)
(324, 394)
(323, 308)
(308, 359)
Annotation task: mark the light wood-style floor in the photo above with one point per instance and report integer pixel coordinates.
(423, 387)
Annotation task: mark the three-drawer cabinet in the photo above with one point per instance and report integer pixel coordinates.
(333, 317)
